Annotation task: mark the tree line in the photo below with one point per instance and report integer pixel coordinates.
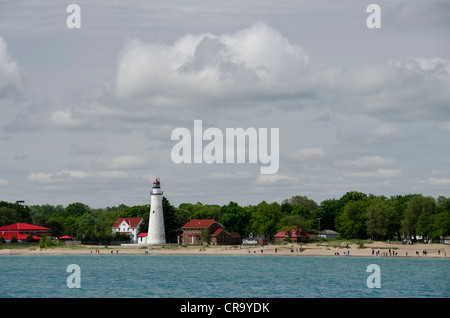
(355, 215)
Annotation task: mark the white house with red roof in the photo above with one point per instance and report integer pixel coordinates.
(128, 226)
(22, 230)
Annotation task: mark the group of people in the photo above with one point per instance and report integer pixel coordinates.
(390, 253)
(97, 251)
(337, 253)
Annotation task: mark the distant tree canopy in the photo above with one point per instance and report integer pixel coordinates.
(354, 215)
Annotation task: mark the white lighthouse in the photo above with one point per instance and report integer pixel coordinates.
(156, 234)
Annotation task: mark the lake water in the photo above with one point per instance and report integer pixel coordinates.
(179, 276)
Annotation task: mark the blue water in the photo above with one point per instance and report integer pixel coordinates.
(171, 276)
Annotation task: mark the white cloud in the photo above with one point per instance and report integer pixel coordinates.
(388, 173)
(74, 174)
(439, 172)
(65, 176)
(380, 173)
(368, 161)
(64, 119)
(308, 153)
(113, 174)
(265, 179)
(57, 177)
(443, 127)
(40, 177)
(3, 182)
(240, 175)
(256, 62)
(126, 162)
(401, 89)
(384, 131)
(10, 77)
(437, 182)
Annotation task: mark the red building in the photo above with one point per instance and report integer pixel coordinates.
(296, 235)
(192, 233)
(22, 230)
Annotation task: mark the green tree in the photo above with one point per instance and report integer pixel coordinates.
(441, 224)
(302, 201)
(415, 207)
(206, 236)
(442, 204)
(235, 218)
(56, 228)
(135, 211)
(172, 224)
(351, 222)
(294, 221)
(29, 238)
(328, 211)
(265, 218)
(380, 218)
(39, 212)
(352, 196)
(8, 216)
(77, 209)
(86, 222)
(425, 225)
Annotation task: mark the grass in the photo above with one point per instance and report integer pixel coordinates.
(341, 243)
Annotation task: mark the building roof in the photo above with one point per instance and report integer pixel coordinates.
(21, 237)
(293, 233)
(218, 231)
(22, 227)
(328, 232)
(198, 223)
(132, 222)
(65, 237)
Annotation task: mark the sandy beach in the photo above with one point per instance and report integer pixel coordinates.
(338, 249)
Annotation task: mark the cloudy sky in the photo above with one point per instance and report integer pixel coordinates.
(86, 114)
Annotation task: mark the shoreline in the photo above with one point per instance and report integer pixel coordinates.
(338, 249)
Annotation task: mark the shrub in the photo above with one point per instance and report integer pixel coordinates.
(46, 242)
(13, 239)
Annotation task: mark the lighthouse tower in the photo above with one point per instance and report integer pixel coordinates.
(156, 234)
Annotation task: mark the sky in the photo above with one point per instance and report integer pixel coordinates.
(87, 114)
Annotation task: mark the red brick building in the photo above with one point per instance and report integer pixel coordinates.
(192, 233)
(296, 235)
